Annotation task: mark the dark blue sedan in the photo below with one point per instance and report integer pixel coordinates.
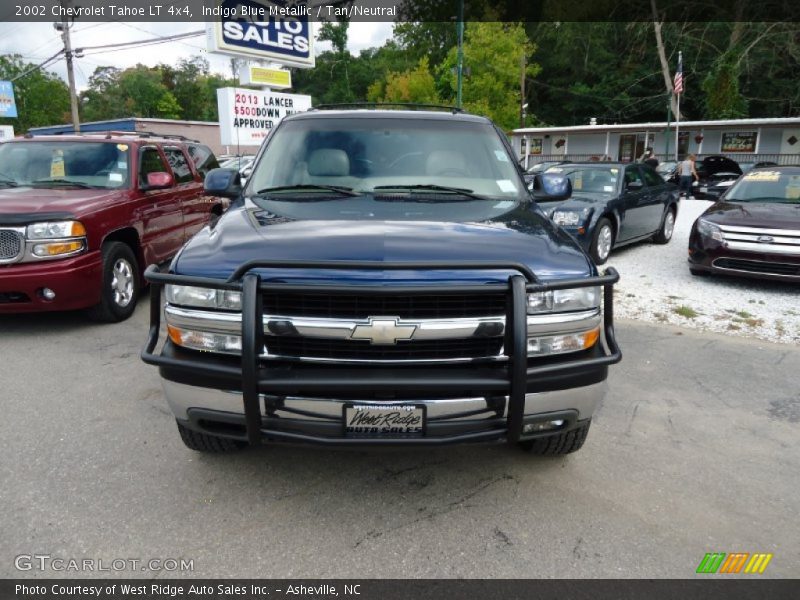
(614, 204)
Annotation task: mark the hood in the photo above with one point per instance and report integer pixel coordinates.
(575, 202)
(751, 214)
(27, 204)
(718, 164)
(521, 236)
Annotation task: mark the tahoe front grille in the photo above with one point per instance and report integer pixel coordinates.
(404, 350)
(10, 244)
(413, 306)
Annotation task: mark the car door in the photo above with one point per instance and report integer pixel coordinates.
(655, 202)
(161, 211)
(195, 205)
(634, 204)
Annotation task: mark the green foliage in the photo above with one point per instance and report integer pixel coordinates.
(493, 53)
(415, 85)
(42, 98)
(721, 85)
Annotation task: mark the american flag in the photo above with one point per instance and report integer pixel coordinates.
(678, 81)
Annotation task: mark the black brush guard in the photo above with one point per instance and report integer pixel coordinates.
(514, 385)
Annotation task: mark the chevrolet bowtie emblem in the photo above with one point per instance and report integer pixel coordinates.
(383, 331)
(765, 239)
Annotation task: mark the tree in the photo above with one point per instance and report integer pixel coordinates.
(42, 98)
(494, 54)
(416, 86)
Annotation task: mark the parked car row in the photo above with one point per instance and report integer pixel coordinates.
(752, 230)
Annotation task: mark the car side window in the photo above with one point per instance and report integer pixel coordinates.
(204, 159)
(632, 174)
(652, 178)
(150, 162)
(179, 164)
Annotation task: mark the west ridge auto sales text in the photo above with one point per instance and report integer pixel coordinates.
(174, 591)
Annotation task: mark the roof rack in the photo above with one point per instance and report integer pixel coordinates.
(408, 105)
(111, 133)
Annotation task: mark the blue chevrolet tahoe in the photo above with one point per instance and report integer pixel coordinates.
(384, 278)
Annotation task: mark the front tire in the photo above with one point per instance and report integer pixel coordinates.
(602, 241)
(664, 234)
(203, 442)
(559, 444)
(120, 286)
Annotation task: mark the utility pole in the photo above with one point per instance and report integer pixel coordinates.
(63, 27)
(522, 103)
(460, 61)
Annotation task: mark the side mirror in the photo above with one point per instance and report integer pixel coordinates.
(634, 186)
(551, 186)
(158, 180)
(225, 183)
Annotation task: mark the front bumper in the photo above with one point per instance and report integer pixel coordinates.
(75, 281)
(710, 256)
(248, 398)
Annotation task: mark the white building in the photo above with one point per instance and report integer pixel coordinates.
(744, 140)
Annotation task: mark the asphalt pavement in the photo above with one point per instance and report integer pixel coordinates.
(694, 450)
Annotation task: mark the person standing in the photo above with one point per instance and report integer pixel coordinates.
(650, 159)
(688, 174)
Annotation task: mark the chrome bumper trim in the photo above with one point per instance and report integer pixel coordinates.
(182, 397)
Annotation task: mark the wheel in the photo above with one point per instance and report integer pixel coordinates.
(562, 443)
(120, 287)
(664, 234)
(203, 442)
(602, 241)
(698, 272)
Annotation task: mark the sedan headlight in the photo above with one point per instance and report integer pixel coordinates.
(710, 230)
(583, 298)
(200, 297)
(570, 218)
(55, 230)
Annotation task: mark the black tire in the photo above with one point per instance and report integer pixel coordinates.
(597, 251)
(562, 443)
(117, 304)
(203, 442)
(698, 272)
(667, 228)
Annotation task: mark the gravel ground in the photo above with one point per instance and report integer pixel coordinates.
(655, 285)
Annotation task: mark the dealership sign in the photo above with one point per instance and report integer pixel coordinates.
(258, 29)
(272, 78)
(8, 107)
(247, 116)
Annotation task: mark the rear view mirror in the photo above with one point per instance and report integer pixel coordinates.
(551, 186)
(158, 180)
(225, 183)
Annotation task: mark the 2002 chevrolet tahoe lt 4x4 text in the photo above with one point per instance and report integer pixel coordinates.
(385, 277)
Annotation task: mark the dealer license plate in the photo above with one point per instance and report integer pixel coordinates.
(389, 420)
(703, 190)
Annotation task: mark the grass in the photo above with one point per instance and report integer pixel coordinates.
(686, 311)
(743, 314)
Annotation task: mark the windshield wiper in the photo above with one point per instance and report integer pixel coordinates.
(433, 188)
(79, 184)
(339, 189)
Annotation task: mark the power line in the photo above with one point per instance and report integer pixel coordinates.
(45, 63)
(138, 43)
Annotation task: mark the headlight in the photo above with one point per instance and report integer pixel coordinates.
(55, 230)
(57, 248)
(583, 298)
(200, 297)
(570, 217)
(708, 229)
(560, 344)
(205, 341)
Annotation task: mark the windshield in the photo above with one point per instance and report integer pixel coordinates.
(590, 180)
(64, 164)
(386, 167)
(766, 186)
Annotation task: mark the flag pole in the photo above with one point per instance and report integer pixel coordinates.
(678, 109)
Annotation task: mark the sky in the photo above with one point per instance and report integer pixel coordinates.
(38, 41)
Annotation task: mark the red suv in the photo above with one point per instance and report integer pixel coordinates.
(82, 215)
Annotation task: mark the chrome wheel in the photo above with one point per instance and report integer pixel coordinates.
(122, 282)
(669, 225)
(604, 240)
